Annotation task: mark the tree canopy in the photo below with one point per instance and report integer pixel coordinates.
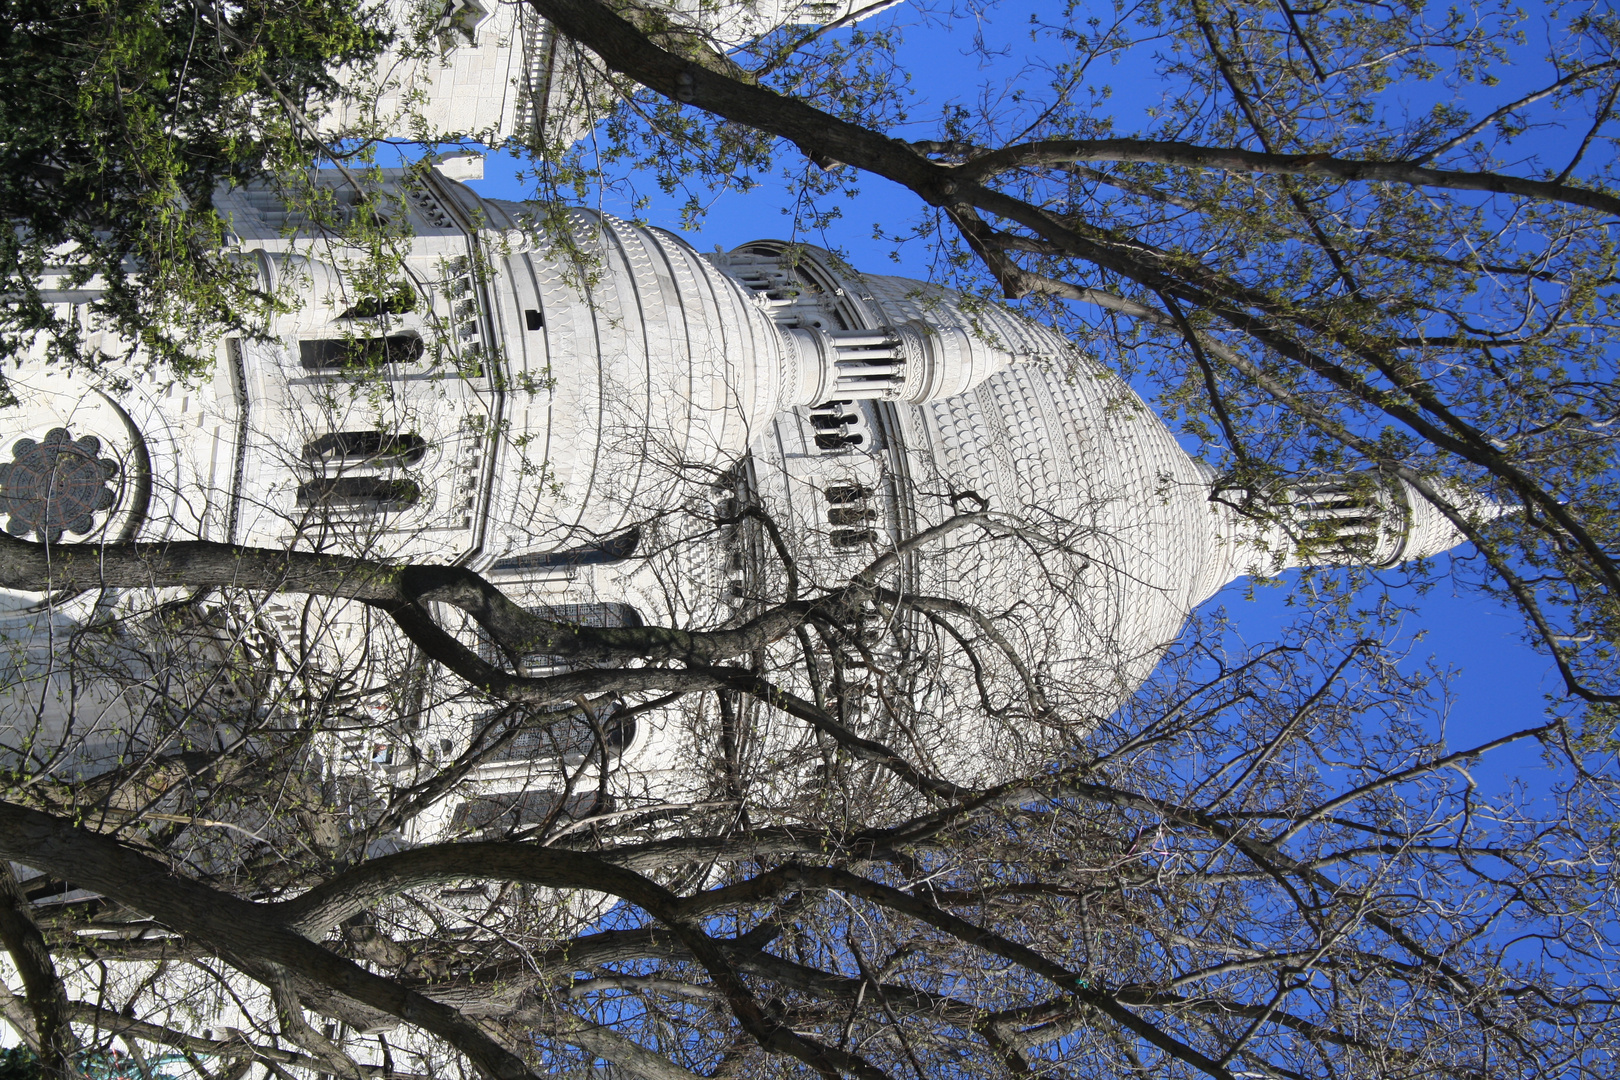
(118, 121)
(1266, 863)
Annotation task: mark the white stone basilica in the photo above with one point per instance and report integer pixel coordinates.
(596, 418)
(578, 418)
(578, 408)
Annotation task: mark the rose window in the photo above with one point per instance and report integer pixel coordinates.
(57, 485)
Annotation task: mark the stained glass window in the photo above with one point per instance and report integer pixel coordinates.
(56, 485)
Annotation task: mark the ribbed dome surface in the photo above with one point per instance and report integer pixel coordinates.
(1120, 538)
(649, 362)
(992, 327)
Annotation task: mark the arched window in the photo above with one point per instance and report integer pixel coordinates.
(373, 494)
(848, 493)
(850, 515)
(463, 18)
(338, 354)
(377, 447)
(838, 426)
(569, 734)
(398, 300)
(603, 615)
(610, 550)
(849, 538)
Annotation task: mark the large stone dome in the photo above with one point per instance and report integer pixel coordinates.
(1107, 538)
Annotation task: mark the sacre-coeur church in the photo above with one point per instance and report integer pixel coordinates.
(576, 407)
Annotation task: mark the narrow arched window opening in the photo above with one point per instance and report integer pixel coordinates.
(567, 734)
(850, 515)
(374, 494)
(613, 549)
(359, 353)
(838, 442)
(834, 415)
(398, 300)
(375, 447)
(838, 427)
(848, 493)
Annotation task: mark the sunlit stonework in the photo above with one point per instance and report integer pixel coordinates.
(584, 440)
(579, 409)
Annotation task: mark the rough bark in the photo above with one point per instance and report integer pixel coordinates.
(47, 1000)
(15, 1011)
(403, 592)
(196, 564)
(981, 167)
(236, 930)
(255, 941)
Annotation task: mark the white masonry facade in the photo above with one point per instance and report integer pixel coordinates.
(579, 415)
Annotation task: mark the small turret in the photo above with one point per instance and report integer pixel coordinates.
(1358, 520)
(912, 362)
(851, 337)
